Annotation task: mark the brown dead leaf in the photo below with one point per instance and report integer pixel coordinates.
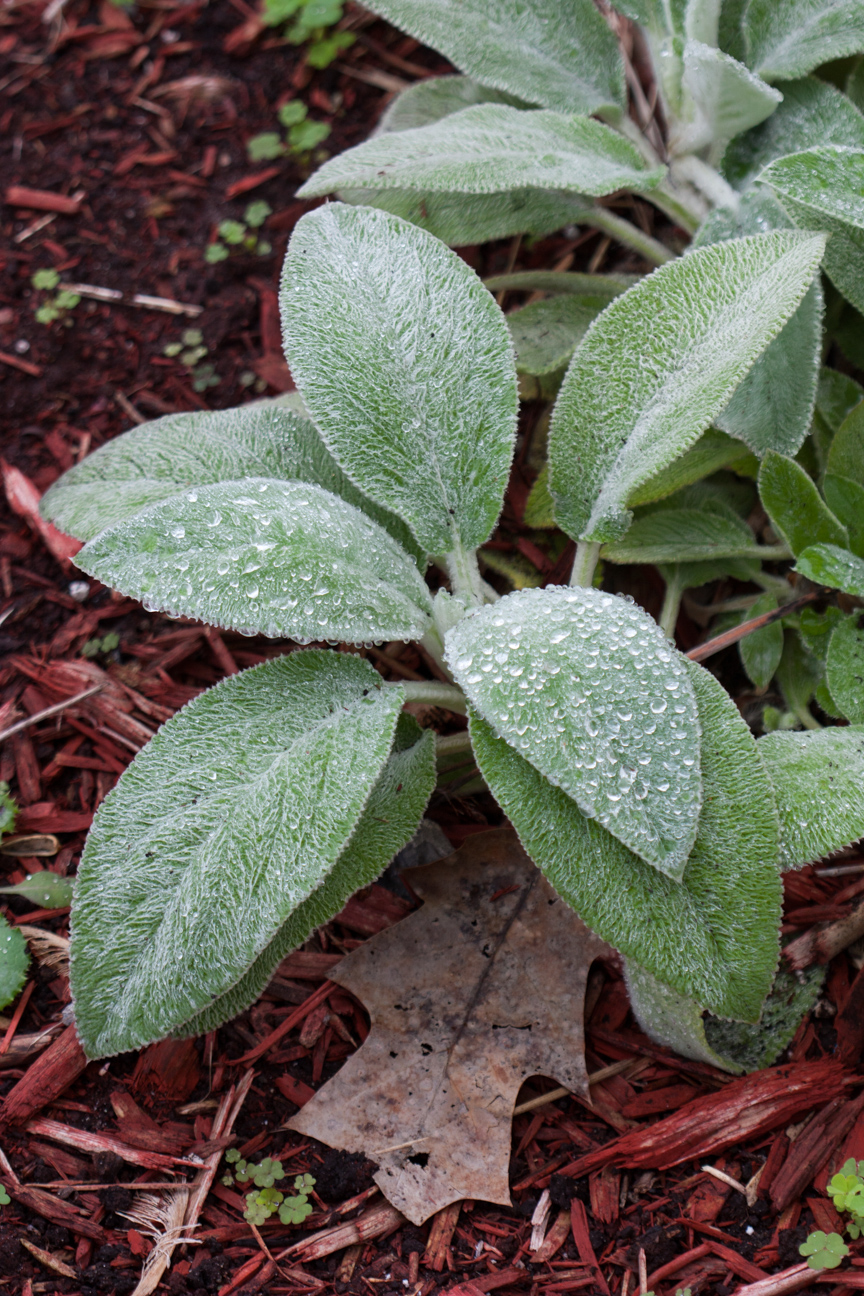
(481, 988)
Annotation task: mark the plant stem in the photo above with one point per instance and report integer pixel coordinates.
(450, 744)
(680, 208)
(672, 603)
(624, 232)
(806, 717)
(708, 181)
(433, 693)
(585, 563)
(465, 579)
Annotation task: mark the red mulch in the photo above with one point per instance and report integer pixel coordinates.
(140, 165)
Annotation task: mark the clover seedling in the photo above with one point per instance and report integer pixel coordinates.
(57, 307)
(191, 352)
(240, 236)
(314, 21)
(268, 1200)
(301, 137)
(824, 1250)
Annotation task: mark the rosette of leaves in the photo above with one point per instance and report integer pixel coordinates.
(626, 770)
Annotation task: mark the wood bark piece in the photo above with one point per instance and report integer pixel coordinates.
(812, 1148)
(481, 988)
(57, 1068)
(86, 1141)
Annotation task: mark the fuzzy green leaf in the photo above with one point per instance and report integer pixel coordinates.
(285, 559)
(713, 450)
(431, 100)
(389, 820)
(660, 364)
(753, 1047)
(836, 396)
(818, 782)
(846, 455)
(845, 667)
(845, 498)
(828, 564)
(713, 936)
(670, 1018)
(761, 651)
(722, 98)
(220, 828)
(587, 687)
(459, 219)
(558, 53)
(796, 509)
(773, 406)
(674, 535)
(160, 459)
(492, 148)
(546, 333)
(405, 363)
(788, 39)
(14, 961)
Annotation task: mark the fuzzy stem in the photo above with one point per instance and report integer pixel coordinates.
(464, 573)
(450, 744)
(624, 232)
(672, 603)
(433, 693)
(585, 563)
(676, 204)
(708, 181)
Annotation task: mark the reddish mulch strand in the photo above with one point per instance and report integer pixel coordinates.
(136, 126)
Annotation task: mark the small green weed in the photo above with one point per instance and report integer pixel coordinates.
(8, 809)
(302, 135)
(846, 1190)
(824, 1250)
(240, 235)
(57, 307)
(97, 647)
(190, 350)
(313, 23)
(5, 1199)
(268, 1199)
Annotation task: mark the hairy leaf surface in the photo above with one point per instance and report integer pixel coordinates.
(836, 397)
(845, 498)
(788, 39)
(160, 459)
(845, 667)
(812, 113)
(818, 782)
(713, 936)
(796, 509)
(429, 101)
(670, 1018)
(389, 820)
(713, 450)
(674, 535)
(491, 148)
(724, 98)
(772, 407)
(177, 895)
(761, 651)
(846, 455)
(458, 219)
(285, 559)
(406, 365)
(546, 333)
(829, 179)
(660, 364)
(587, 687)
(828, 564)
(558, 53)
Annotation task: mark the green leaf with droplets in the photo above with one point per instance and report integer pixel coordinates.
(654, 370)
(285, 559)
(406, 365)
(44, 889)
(818, 784)
(788, 39)
(673, 535)
(14, 962)
(177, 896)
(827, 564)
(713, 936)
(588, 689)
(844, 667)
(559, 53)
(796, 509)
(180, 451)
(388, 822)
(492, 148)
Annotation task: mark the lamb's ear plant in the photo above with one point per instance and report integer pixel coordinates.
(627, 771)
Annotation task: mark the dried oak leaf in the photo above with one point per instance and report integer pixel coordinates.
(481, 988)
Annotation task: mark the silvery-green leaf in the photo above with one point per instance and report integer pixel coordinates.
(178, 451)
(799, 674)
(459, 219)
(603, 287)
(540, 507)
(845, 667)
(828, 564)
(492, 148)
(428, 101)
(730, 29)
(389, 820)
(693, 574)
(714, 450)
(752, 1047)
(761, 651)
(772, 408)
(546, 333)
(818, 782)
(845, 498)
(702, 21)
(658, 366)
(406, 364)
(587, 688)
(788, 39)
(721, 99)
(713, 936)
(559, 53)
(670, 1018)
(836, 396)
(285, 559)
(812, 113)
(846, 456)
(843, 263)
(220, 828)
(675, 535)
(796, 509)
